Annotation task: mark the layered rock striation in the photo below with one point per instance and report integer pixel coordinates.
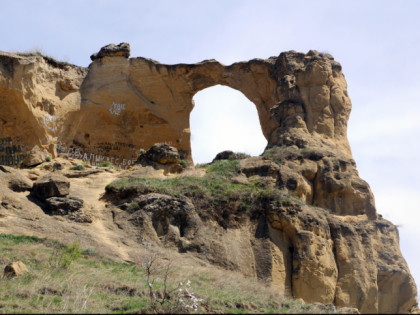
(330, 247)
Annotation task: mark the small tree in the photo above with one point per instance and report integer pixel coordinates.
(164, 297)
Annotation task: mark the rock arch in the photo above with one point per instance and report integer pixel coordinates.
(120, 105)
(224, 119)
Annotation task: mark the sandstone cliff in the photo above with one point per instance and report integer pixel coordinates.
(328, 245)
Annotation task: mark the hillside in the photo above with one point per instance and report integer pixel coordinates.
(298, 218)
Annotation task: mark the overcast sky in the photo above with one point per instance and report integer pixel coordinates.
(376, 42)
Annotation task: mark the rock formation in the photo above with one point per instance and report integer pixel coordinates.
(330, 247)
(138, 102)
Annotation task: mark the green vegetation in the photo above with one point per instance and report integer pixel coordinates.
(62, 257)
(133, 206)
(239, 156)
(279, 154)
(48, 159)
(276, 154)
(213, 195)
(96, 284)
(77, 167)
(107, 164)
(50, 60)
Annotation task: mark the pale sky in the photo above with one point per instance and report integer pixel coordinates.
(377, 43)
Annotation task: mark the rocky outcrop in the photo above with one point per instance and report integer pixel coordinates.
(161, 156)
(161, 153)
(51, 185)
(35, 157)
(138, 102)
(111, 50)
(63, 205)
(16, 181)
(303, 251)
(329, 246)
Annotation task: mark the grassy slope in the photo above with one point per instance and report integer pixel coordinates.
(95, 284)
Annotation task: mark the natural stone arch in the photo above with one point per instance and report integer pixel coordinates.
(121, 105)
(228, 106)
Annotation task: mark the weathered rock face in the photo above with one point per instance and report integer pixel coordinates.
(36, 96)
(334, 249)
(62, 205)
(303, 251)
(138, 102)
(120, 105)
(52, 185)
(16, 181)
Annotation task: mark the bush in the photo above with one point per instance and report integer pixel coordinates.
(133, 206)
(78, 167)
(164, 298)
(63, 256)
(48, 159)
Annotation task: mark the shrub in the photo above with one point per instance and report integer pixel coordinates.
(183, 163)
(48, 159)
(63, 256)
(78, 167)
(163, 297)
(133, 206)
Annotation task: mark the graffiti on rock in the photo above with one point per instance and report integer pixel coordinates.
(10, 153)
(98, 155)
(115, 109)
(51, 122)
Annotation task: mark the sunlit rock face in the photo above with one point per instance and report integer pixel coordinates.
(120, 105)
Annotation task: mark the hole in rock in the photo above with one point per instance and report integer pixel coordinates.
(224, 119)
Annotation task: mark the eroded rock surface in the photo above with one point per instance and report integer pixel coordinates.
(303, 251)
(51, 185)
(137, 102)
(330, 246)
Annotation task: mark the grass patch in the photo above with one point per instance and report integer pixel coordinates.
(96, 284)
(213, 195)
(279, 154)
(50, 60)
(77, 167)
(107, 164)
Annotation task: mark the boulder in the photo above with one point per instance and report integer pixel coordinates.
(15, 179)
(35, 157)
(112, 50)
(51, 185)
(163, 154)
(15, 269)
(224, 155)
(62, 205)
